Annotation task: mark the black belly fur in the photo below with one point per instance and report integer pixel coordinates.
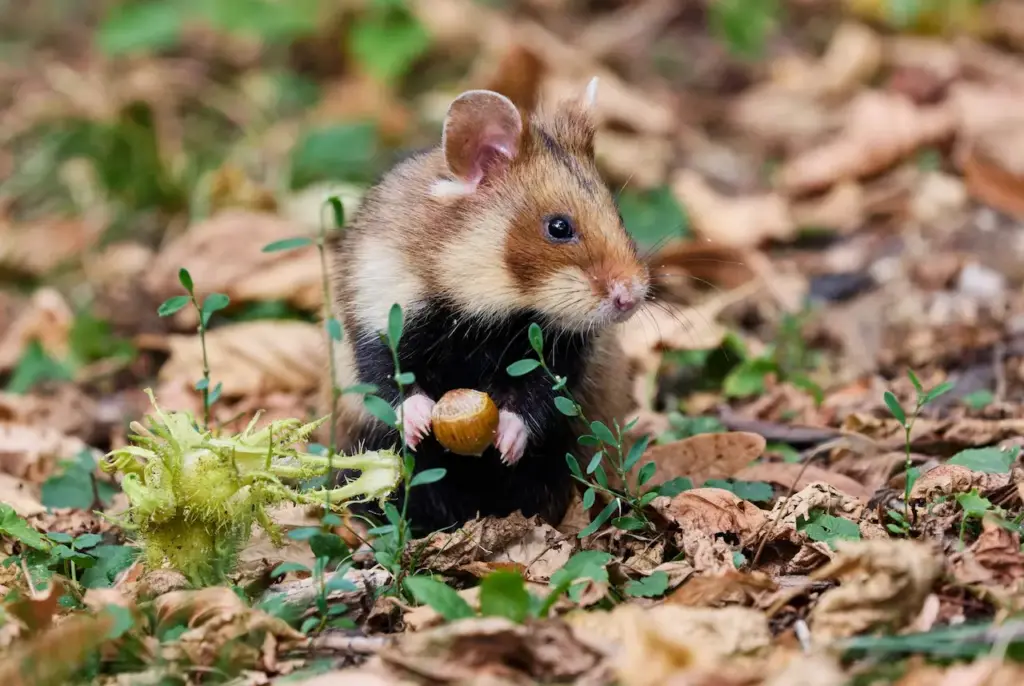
(446, 350)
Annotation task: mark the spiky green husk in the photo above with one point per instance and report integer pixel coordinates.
(195, 497)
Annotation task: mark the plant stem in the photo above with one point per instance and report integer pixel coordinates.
(206, 365)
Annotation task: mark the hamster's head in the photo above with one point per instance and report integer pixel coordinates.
(532, 224)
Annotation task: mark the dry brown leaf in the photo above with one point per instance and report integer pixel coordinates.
(784, 516)
(711, 511)
(649, 646)
(703, 457)
(39, 247)
(30, 452)
(992, 560)
(231, 187)
(852, 58)
(737, 222)
(731, 587)
(880, 130)
(994, 168)
(641, 161)
(47, 320)
(19, 495)
(779, 115)
(461, 651)
(37, 611)
(785, 474)
(843, 209)
(252, 358)
(224, 254)
(361, 97)
(74, 640)
(883, 583)
(950, 479)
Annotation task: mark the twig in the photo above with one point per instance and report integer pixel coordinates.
(364, 645)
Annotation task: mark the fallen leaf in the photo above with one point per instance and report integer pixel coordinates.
(251, 358)
(994, 559)
(950, 479)
(38, 247)
(883, 583)
(37, 611)
(30, 452)
(649, 646)
(74, 640)
(994, 168)
(736, 222)
(731, 587)
(785, 474)
(704, 456)
(880, 129)
(712, 511)
(47, 320)
(460, 651)
(224, 254)
(641, 161)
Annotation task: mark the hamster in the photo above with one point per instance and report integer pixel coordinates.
(505, 223)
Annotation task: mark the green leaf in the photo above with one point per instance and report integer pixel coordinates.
(595, 462)
(135, 27)
(395, 324)
(503, 594)
(939, 390)
(308, 624)
(441, 597)
(17, 528)
(338, 210)
(635, 453)
(123, 620)
(589, 496)
(86, 541)
(652, 217)
(600, 477)
(428, 476)
(202, 384)
(286, 567)
(646, 472)
(380, 409)
(111, 560)
(536, 339)
(894, 406)
(215, 302)
(603, 433)
(288, 244)
(304, 533)
(387, 43)
(648, 497)
(172, 305)
(574, 465)
(339, 582)
(987, 460)
(361, 389)
(345, 152)
(973, 504)
(586, 564)
(60, 537)
(566, 406)
(599, 520)
(674, 487)
(914, 380)
(650, 586)
(979, 399)
(406, 378)
(334, 329)
(628, 523)
(747, 378)
(73, 486)
(185, 279)
(743, 25)
(522, 367)
(821, 526)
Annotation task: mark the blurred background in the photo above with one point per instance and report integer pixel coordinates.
(835, 187)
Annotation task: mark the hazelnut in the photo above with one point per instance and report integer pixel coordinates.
(464, 421)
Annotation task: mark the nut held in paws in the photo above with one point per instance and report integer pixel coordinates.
(464, 421)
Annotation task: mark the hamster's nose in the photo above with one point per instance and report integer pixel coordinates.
(622, 297)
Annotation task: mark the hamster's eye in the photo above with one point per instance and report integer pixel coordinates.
(559, 228)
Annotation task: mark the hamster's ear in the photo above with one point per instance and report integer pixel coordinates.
(482, 133)
(575, 125)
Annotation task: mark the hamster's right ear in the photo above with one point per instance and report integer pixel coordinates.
(482, 133)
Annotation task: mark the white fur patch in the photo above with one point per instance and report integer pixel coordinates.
(382, 277)
(448, 189)
(590, 98)
(473, 272)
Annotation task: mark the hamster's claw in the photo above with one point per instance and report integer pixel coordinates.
(511, 437)
(416, 418)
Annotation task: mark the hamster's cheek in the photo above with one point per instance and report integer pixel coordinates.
(567, 296)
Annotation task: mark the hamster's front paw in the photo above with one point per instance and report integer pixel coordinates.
(511, 437)
(416, 418)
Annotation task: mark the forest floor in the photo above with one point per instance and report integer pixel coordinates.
(831, 391)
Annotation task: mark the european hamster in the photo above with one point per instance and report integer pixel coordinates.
(505, 223)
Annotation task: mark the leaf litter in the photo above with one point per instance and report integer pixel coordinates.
(830, 200)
